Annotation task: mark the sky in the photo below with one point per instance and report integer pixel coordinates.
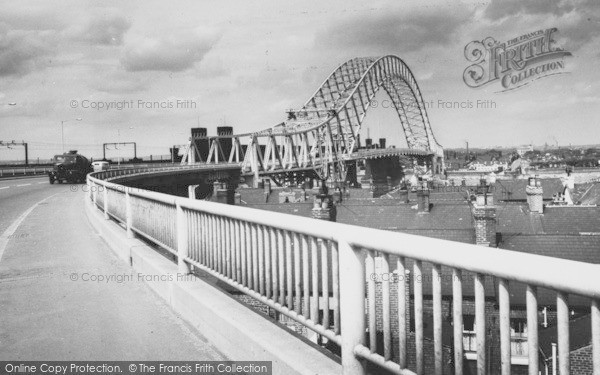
(173, 65)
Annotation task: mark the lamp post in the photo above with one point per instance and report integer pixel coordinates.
(62, 131)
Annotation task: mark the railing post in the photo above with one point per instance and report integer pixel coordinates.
(418, 305)
(128, 213)
(89, 184)
(562, 318)
(457, 307)
(105, 192)
(504, 302)
(596, 336)
(182, 240)
(480, 323)
(437, 318)
(532, 329)
(352, 301)
(95, 194)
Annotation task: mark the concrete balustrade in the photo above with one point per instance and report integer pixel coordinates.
(303, 269)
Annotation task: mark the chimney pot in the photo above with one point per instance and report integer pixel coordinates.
(423, 201)
(535, 196)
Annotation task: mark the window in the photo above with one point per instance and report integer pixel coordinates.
(518, 327)
(469, 323)
(469, 338)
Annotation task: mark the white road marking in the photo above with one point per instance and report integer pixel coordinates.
(4, 187)
(45, 182)
(23, 185)
(15, 225)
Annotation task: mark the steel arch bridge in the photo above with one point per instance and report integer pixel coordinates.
(322, 135)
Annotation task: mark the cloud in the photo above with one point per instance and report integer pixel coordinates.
(395, 30)
(22, 51)
(118, 81)
(212, 68)
(104, 28)
(36, 16)
(578, 21)
(31, 37)
(498, 9)
(173, 53)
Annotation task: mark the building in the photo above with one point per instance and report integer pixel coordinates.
(522, 150)
(516, 215)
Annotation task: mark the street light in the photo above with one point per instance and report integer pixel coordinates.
(62, 131)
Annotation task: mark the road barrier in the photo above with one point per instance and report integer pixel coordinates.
(315, 272)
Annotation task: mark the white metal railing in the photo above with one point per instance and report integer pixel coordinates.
(25, 171)
(304, 268)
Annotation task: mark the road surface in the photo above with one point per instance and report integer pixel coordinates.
(52, 308)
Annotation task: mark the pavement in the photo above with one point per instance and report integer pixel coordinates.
(65, 296)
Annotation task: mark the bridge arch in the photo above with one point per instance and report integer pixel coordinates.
(322, 134)
(350, 88)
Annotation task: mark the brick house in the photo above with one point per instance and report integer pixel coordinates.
(512, 216)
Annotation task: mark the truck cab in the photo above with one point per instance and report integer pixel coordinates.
(70, 167)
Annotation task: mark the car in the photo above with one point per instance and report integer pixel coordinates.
(70, 167)
(100, 166)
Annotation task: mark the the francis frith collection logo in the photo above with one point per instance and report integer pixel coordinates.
(516, 62)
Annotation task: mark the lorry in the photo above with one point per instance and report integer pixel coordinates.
(70, 167)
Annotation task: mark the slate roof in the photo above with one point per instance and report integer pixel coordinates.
(588, 193)
(515, 189)
(571, 219)
(443, 217)
(515, 218)
(252, 196)
(580, 335)
(572, 247)
(555, 233)
(298, 209)
(446, 221)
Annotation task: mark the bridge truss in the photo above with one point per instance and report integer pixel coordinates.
(322, 135)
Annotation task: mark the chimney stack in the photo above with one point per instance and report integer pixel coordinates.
(323, 207)
(423, 200)
(223, 193)
(534, 193)
(484, 217)
(266, 189)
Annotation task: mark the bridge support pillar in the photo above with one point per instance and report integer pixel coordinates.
(435, 167)
(192, 191)
(386, 174)
(351, 175)
(223, 193)
(441, 164)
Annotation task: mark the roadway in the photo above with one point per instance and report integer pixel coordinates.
(51, 309)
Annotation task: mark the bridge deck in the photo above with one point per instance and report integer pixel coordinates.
(387, 152)
(47, 314)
